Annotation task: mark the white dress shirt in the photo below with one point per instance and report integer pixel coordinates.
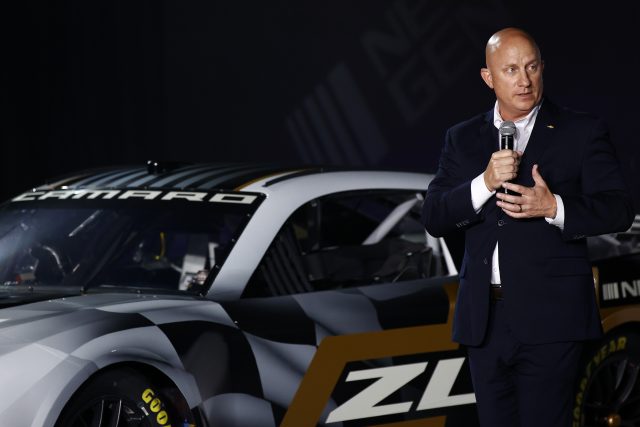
(480, 194)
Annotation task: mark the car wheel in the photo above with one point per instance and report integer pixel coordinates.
(124, 398)
(609, 385)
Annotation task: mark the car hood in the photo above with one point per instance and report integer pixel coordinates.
(40, 318)
(16, 299)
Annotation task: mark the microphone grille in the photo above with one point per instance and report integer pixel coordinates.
(507, 128)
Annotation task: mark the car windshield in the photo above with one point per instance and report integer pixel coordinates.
(169, 245)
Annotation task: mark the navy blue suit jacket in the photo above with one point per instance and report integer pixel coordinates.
(547, 279)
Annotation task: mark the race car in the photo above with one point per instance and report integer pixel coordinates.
(251, 295)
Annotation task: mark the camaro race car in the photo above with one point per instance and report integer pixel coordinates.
(256, 296)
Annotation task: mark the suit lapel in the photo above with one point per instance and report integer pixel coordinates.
(542, 136)
(488, 136)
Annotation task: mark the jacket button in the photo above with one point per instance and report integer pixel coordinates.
(500, 223)
(485, 261)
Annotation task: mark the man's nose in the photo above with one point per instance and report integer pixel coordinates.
(523, 79)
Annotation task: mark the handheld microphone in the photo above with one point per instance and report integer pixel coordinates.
(507, 131)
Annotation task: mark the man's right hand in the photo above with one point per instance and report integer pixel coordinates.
(502, 167)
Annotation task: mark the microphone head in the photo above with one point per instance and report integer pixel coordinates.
(507, 128)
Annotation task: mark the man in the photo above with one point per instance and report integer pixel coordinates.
(526, 299)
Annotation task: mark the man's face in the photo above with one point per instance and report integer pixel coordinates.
(514, 72)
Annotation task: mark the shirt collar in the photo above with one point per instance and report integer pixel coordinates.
(523, 122)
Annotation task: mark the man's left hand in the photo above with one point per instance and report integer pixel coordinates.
(536, 201)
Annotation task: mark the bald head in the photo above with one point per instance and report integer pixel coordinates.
(514, 72)
(504, 38)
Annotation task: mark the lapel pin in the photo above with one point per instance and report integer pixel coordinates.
(551, 126)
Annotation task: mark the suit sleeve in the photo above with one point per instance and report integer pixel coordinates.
(448, 205)
(604, 205)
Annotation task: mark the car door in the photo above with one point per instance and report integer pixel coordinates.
(349, 317)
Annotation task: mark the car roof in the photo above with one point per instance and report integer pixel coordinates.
(197, 177)
(166, 175)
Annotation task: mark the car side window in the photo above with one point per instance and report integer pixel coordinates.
(346, 240)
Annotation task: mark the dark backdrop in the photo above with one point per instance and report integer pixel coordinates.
(366, 82)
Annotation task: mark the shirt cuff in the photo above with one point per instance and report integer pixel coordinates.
(558, 221)
(479, 192)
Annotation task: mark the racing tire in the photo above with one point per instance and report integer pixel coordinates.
(608, 387)
(124, 398)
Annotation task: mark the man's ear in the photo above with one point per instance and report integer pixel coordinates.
(486, 76)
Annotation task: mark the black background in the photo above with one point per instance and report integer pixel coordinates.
(88, 83)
